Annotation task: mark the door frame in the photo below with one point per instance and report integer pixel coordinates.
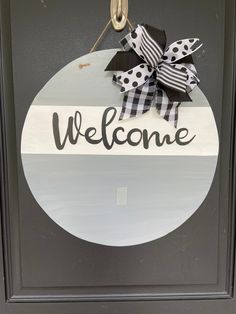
(217, 304)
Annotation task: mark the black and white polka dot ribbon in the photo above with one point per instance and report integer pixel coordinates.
(150, 70)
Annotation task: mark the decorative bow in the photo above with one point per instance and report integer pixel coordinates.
(152, 72)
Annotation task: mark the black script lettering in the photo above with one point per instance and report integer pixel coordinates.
(115, 138)
(130, 141)
(69, 132)
(89, 133)
(74, 126)
(105, 123)
(178, 137)
(158, 141)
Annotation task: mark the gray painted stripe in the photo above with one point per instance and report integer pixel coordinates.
(79, 193)
(91, 86)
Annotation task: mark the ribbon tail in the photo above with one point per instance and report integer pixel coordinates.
(192, 77)
(166, 108)
(138, 101)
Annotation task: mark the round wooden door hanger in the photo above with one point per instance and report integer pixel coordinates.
(112, 182)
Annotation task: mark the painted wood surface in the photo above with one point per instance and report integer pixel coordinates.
(128, 194)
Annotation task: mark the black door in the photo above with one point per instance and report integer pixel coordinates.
(44, 269)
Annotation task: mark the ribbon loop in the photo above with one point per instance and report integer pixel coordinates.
(144, 45)
(141, 73)
(181, 49)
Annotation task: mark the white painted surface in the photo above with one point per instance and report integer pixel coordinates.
(38, 137)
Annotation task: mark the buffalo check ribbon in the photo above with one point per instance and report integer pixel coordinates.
(148, 72)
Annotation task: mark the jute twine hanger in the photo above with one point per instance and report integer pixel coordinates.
(104, 31)
(119, 19)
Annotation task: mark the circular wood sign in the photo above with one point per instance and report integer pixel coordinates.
(114, 182)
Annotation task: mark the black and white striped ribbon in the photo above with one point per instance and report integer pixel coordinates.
(171, 77)
(152, 52)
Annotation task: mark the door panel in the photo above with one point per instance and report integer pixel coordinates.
(42, 262)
